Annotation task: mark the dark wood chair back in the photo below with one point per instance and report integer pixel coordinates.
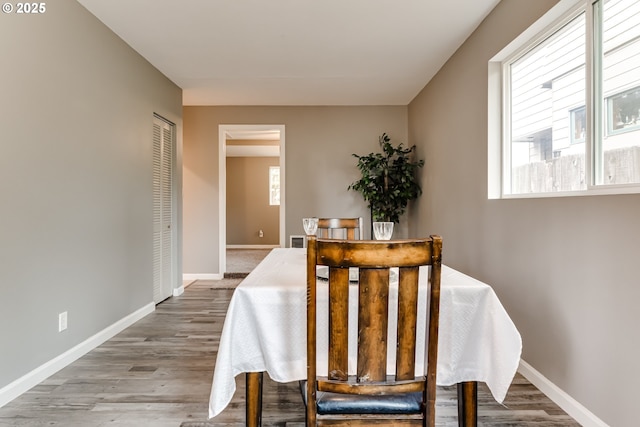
(382, 398)
(340, 228)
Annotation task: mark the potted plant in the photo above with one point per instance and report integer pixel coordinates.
(388, 180)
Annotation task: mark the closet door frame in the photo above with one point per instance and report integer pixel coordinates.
(164, 209)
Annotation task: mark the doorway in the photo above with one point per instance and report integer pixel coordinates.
(224, 132)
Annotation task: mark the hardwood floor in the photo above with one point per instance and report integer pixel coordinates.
(158, 373)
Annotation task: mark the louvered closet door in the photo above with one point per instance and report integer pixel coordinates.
(163, 136)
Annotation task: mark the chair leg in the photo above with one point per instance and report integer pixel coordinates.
(468, 404)
(254, 399)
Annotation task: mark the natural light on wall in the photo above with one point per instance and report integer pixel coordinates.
(568, 120)
(274, 185)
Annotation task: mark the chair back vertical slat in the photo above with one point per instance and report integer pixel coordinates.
(434, 325)
(373, 315)
(338, 353)
(407, 322)
(351, 233)
(311, 410)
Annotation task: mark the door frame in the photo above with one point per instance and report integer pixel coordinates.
(222, 186)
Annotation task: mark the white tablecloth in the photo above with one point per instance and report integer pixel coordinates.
(265, 330)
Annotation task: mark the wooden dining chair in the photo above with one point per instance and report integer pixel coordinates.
(373, 396)
(340, 228)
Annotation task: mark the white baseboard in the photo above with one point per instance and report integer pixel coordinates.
(192, 277)
(571, 406)
(252, 246)
(178, 291)
(41, 373)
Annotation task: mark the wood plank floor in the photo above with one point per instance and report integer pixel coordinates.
(158, 373)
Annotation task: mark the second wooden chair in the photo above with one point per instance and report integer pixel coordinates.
(340, 228)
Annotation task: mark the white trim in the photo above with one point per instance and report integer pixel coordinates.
(253, 151)
(283, 192)
(538, 29)
(252, 246)
(44, 371)
(178, 291)
(495, 168)
(571, 406)
(206, 276)
(222, 199)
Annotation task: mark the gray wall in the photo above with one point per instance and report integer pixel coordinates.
(566, 268)
(319, 166)
(76, 113)
(248, 208)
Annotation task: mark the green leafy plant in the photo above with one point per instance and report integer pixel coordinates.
(388, 180)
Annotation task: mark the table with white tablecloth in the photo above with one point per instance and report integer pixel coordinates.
(265, 330)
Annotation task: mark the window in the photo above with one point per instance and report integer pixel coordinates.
(274, 185)
(578, 125)
(570, 114)
(623, 112)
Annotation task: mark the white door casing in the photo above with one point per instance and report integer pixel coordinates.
(222, 186)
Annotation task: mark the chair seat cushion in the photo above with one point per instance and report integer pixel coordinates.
(337, 403)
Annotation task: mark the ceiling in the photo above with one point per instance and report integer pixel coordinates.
(294, 52)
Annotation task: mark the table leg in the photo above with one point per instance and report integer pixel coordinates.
(254, 399)
(468, 404)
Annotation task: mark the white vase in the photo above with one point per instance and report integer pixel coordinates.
(382, 230)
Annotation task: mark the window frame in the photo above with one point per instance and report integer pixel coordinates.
(572, 123)
(499, 90)
(610, 131)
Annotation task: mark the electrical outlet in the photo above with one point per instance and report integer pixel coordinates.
(261, 233)
(62, 321)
